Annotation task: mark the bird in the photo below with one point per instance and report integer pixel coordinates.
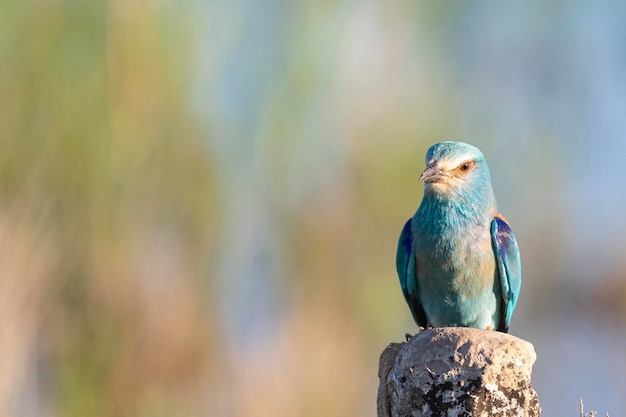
(457, 259)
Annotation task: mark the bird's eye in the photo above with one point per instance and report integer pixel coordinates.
(466, 166)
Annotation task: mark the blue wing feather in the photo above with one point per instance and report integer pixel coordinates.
(405, 265)
(509, 267)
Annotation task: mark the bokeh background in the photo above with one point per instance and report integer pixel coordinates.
(200, 200)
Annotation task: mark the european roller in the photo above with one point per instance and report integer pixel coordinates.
(457, 259)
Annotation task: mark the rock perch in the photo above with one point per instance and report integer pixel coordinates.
(456, 371)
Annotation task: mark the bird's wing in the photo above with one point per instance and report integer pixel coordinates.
(405, 264)
(509, 267)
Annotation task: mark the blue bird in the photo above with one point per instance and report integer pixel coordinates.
(457, 259)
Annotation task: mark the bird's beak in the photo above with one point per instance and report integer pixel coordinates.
(433, 174)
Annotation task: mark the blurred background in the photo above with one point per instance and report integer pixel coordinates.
(200, 201)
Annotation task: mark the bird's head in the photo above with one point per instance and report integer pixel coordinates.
(454, 168)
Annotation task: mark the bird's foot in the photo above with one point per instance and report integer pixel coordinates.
(408, 336)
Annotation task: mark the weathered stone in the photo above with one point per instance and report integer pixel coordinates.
(457, 372)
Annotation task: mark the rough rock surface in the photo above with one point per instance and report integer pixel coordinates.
(456, 371)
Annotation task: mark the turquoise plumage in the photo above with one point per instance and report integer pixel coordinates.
(458, 260)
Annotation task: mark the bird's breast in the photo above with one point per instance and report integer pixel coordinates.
(454, 259)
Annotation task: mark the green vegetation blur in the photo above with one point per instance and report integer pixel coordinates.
(200, 201)
(107, 213)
